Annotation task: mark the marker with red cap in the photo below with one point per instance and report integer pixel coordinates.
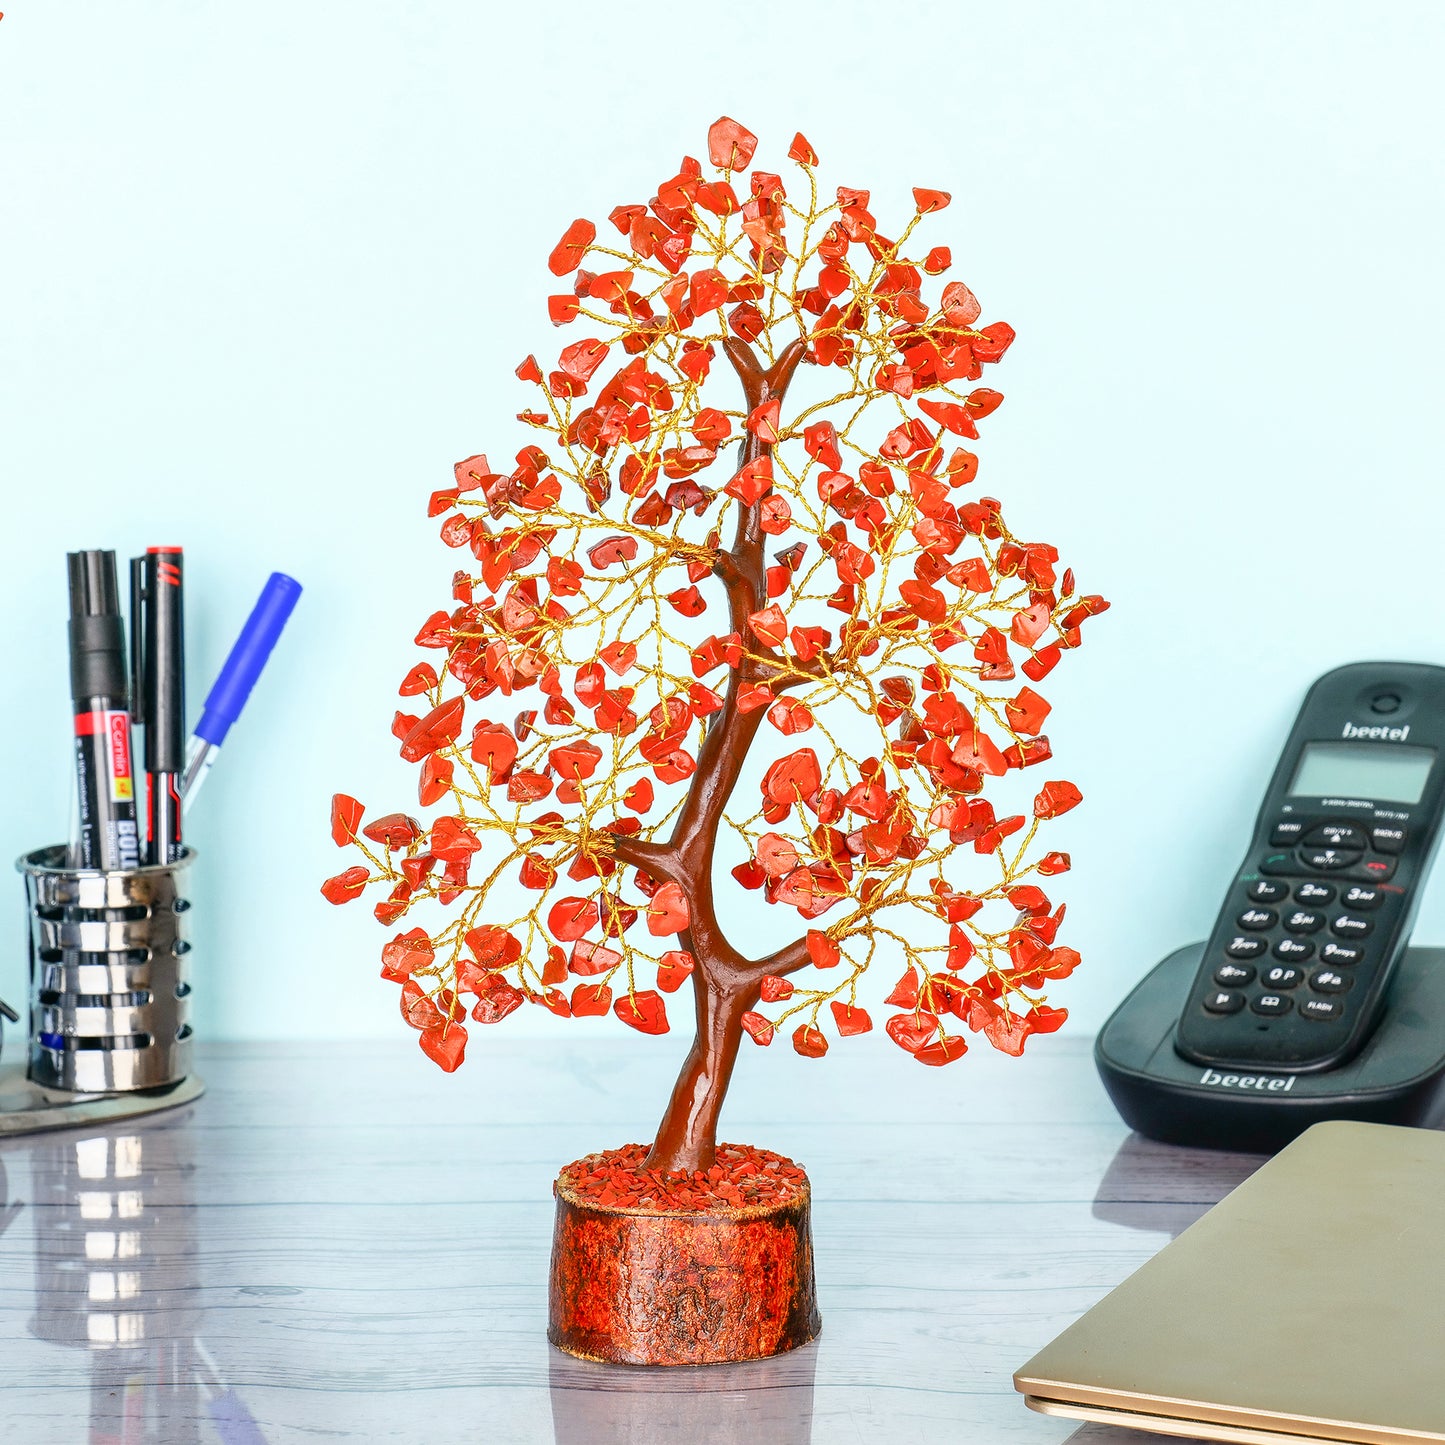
(106, 825)
(159, 691)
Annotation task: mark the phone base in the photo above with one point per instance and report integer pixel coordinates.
(1396, 1078)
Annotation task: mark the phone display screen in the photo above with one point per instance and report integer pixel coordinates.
(1390, 774)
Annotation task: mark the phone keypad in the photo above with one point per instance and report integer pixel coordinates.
(1273, 965)
(1277, 982)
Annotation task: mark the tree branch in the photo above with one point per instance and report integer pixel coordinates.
(784, 674)
(654, 857)
(784, 961)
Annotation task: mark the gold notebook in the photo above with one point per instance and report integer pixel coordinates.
(1308, 1305)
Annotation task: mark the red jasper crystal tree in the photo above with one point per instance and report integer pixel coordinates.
(740, 548)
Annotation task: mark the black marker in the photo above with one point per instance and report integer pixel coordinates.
(107, 837)
(158, 688)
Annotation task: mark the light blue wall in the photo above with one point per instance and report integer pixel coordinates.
(265, 270)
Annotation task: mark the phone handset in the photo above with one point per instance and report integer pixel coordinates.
(1297, 967)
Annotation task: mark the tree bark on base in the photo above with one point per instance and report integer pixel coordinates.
(640, 1287)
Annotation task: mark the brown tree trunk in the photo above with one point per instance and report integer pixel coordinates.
(687, 1136)
(725, 983)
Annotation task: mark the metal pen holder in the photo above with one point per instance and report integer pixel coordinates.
(109, 1000)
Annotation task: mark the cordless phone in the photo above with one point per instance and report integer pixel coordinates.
(1296, 969)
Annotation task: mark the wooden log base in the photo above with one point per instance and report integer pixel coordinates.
(685, 1269)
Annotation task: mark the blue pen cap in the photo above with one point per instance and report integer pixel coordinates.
(263, 627)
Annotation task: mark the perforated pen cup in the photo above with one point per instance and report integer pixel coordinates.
(109, 999)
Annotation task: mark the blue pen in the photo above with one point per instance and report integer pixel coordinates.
(231, 689)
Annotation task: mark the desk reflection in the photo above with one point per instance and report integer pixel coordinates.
(1166, 1187)
(760, 1402)
(116, 1275)
(9, 1209)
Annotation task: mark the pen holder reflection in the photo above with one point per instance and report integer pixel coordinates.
(116, 1275)
(109, 1000)
(115, 1260)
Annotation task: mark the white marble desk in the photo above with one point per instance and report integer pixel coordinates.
(339, 1243)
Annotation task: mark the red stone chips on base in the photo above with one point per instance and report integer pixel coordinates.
(741, 1178)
